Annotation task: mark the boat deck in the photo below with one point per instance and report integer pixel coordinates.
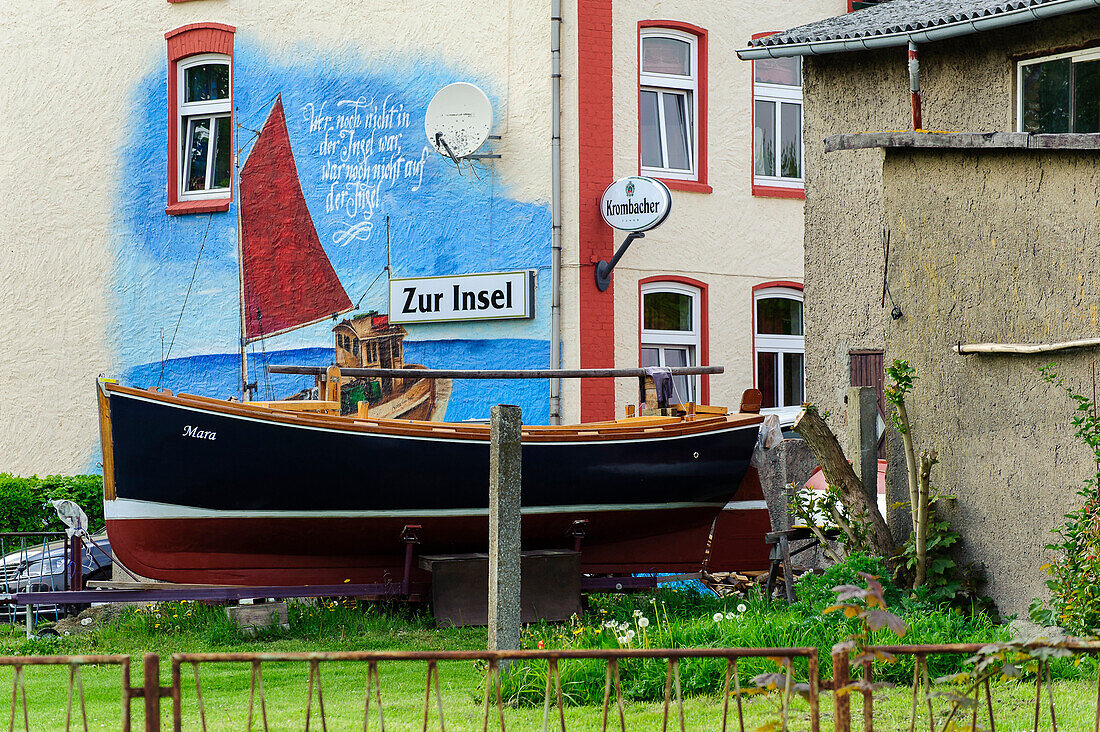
(642, 426)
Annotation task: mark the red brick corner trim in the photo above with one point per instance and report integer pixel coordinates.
(596, 170)
(189, 40)
(704, 323)
(699, 185)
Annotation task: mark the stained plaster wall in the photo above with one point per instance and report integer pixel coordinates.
(74, 103)
(985, 246)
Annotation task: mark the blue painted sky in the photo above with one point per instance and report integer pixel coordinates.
(441, 222)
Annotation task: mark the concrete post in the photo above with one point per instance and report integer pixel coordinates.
(505, 474)
(863, 437)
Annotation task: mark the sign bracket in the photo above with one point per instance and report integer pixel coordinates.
(604, 269)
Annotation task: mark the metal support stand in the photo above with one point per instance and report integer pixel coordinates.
(578, 530)
(410, 536)
(603, 269)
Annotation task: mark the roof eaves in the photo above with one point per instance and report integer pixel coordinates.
(896, 36)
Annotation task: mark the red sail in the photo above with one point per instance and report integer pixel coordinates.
(287, 279)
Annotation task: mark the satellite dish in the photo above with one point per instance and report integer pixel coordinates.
(458, 120)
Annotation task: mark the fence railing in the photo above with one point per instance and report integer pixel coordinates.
(969, 706)
(965, 699)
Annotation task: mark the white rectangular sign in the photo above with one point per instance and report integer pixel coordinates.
(485, 296)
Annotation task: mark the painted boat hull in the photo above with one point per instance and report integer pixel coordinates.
(203, 493)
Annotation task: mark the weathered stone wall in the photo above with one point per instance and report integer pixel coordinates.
(991, 245)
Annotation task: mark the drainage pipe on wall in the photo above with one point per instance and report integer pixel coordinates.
(914, 86)
(555, 207)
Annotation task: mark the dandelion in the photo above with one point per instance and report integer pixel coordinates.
(630, 635)
(637, 613)
(643, 622)
(718, 617)
(730, 616)
(578, 631)
(624, 626)
(742, 608)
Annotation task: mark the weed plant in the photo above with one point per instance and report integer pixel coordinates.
(675, 618)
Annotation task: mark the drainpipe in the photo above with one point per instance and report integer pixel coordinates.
(914, 85)
(555, 207)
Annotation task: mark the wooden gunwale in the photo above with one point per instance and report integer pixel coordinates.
(409, 428)
(106, 439)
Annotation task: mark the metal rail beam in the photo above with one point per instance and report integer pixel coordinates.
(494, 373)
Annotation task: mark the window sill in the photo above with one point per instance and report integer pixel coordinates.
(964, 140)
(692, 186)
(209, 205)
(778, 192)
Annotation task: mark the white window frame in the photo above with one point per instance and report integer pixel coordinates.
(660, 339)
(780, 94)
(672, 84)
(1089, 54)
(186, 110)
(779, 344)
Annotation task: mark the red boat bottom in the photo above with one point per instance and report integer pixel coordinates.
(332, 550)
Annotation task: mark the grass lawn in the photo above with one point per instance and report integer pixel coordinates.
(331, 627)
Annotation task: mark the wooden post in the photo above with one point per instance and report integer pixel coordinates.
(505, 477)
(862, 437)
(152, 692)
(332, 384)
(842, 709)
(838, 473)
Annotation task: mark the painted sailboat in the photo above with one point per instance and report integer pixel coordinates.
(206, 490)
(287, 282)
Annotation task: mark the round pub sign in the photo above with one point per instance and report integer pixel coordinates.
(636, 204)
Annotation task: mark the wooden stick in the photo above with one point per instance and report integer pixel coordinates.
(1023, 348)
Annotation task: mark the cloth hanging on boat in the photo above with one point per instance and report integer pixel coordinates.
(662, 384)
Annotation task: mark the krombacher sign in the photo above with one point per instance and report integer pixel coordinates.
(636, 204)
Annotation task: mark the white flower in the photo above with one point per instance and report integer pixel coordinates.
(643, 622)
(611, 624)
(730, 616)
(742, 608)
(637, 613)
(630, 635)
(718, 617)
(624, 626)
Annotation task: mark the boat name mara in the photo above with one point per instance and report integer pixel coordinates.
(190, 431)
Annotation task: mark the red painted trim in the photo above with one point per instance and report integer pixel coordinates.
(704, 324)
(208, 205)
(758, 190)
(699, 185)
(596, 169)
(752, 314)
(686, 185)
(777, 191)
(189, 40)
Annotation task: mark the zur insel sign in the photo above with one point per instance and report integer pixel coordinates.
(636, 204)
(485, 296)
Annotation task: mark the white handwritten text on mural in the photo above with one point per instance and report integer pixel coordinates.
(361, 147)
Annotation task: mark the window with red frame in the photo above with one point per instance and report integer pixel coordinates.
(780, 346)
(670, 101)
(777, 126)
(200, 119)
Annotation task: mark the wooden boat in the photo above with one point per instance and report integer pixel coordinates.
(210, 491)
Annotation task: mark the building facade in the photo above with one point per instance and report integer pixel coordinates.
(220, 173)
(973, 238)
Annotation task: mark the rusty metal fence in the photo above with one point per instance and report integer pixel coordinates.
(965, 700)
(958, 701)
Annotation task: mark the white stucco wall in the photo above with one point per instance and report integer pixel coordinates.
(69, 76)
(729, 239)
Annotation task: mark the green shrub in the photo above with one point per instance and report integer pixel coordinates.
(24, 501)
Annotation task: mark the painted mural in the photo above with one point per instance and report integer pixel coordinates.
(336, 169)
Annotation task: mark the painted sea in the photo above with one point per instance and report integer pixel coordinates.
(218, 375)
